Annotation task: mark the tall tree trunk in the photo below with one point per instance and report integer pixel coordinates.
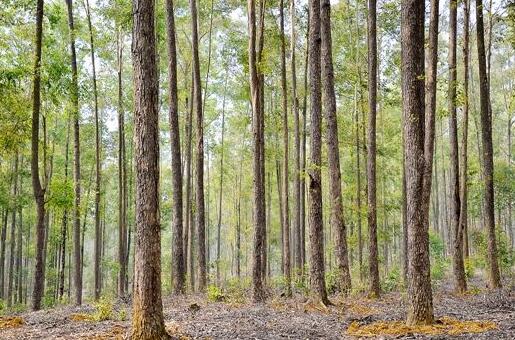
(39, 191)
(259, 192)
(219, 224)
(178, 272)
(337, 218)
(64, 227)
(285, 174)
(12, 238)
(238, 225)
(420, 301)
(371, 149)
(76, 157)
(296, 177)
(460, 284)
(494, 278)
(187, 210)
(303, 159)
(122, 176)
(19, 249)
(358, 185)
(147, 314)
(199, 169)
(316, 231)
(281, 210)
(98, 169)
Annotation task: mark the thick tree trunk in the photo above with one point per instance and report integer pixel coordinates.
(199, 169)
(420, 301)
(316, 231)
(39, 191)
(460, 284)
(187, 210)
(337, 218)
(178, 271)
(285, 174)
(303, 158)
(494, 278)
(147, 315)
(371, 150)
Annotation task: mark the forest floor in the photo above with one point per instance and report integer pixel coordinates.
(193, 317)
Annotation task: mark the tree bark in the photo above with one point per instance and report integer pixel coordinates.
(178, 272)
(460, 284)
(316, 232)
(39, 191)
(76, 157)
(199, 169)
(494, 278)
(337, 218)
(420, 302)
(259, 192)
(371, 149)
(219, 225)
(285, 174)
(12, 239)
(147, 315)
(98, 138)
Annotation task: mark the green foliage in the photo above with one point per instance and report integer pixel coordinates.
(215, 294)
(439, 264)
(103, 309)
(392, 281)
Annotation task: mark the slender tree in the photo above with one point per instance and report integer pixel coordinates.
(147, 314)
(178, 271)
(39, 191)
(259, 211)
(316, 233)
(199, 169)
(494, 277)
(98, 167)
(465, 121)
(76, 158)
(337, 218)
(371, 149)
(420, 301)
(285, 174)
(460, 284)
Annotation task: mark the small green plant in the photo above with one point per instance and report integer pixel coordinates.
(215, 294)
(103, 309)
(122, 315)
(469, 268)
(392, 281)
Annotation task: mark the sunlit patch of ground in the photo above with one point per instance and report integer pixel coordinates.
(444, 325)
(11, 322)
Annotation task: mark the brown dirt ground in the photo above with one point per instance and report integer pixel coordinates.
(192, 317)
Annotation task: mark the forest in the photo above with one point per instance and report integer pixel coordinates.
(260, 169)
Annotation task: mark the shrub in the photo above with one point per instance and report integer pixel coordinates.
(103, 309)
(392, 281)
(215, 294)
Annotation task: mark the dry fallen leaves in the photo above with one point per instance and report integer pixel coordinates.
(11, 322)
(444, 325)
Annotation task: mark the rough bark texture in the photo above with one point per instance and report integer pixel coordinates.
(285, 186)
(259, 192)
(460, 284)
(297, 256)
(178, 271)
(147, 314)
(463, 220)
(371, 150)
(199, 169)
(315, 218)
(122, 180)
(337, 218)
(76, 158)
(494, 277)
(430, 107)
(12, 239)
(420, 302)
(39, 192)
